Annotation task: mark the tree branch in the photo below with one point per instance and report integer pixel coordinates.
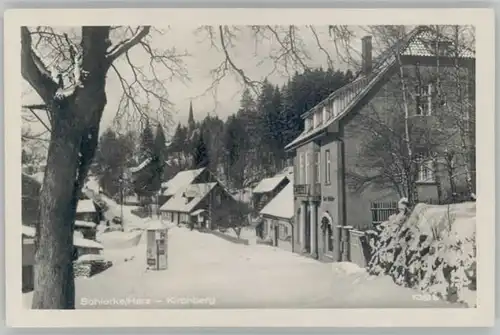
(125, 45)
(34, 71)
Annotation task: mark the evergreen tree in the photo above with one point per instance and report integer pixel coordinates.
(146, 146)
(111, 159)
(191, 122)
(235, 149)
(267, 116)
(160, 147)
(200, 155)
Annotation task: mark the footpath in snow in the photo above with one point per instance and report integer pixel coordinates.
(205, 271)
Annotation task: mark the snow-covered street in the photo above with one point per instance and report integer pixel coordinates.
(205, 271)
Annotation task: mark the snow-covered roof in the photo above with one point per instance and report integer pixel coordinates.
(269, 184)
(85, 206)
(85, 224)
(140, 166)
(198, 212)
(38, 177)
(179, 202)
(91, 258)
(180, 180)
(281, 206)
(28, 231)
(85, 243)
(78, 241)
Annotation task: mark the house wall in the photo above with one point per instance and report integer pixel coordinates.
(330, 197)
(28, 252)
(279, 231)
(300, 179)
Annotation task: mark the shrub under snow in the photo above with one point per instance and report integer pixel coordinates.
(432, 249)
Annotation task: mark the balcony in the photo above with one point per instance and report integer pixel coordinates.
(307, 190)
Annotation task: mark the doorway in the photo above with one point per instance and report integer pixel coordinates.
(328, 238)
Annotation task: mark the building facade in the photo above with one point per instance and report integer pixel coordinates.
(346, 157)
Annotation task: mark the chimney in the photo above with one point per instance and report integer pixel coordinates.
(366, 54)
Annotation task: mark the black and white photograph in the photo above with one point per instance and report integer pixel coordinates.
(230, 166)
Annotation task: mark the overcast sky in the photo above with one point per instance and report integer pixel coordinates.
(247, 54)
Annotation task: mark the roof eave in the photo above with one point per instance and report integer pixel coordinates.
(307, 139)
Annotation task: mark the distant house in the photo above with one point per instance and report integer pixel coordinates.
(195, 200)
(183, 179)
(82, 247)
(277, 219)
(87, 210)
(86, 228)
(267, 189)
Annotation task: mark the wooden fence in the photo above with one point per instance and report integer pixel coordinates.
(381, 211)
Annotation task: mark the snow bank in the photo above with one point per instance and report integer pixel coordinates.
(119, 239)
(347, 268)
(432, 250)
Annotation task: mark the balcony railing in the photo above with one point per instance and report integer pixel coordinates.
(307, 189)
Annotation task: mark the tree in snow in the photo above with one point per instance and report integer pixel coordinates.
(113, 154)
(233, 215)
(147, 142)
(73, 92)
(236, 151)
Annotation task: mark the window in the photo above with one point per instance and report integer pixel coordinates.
(425, 170)
(317, 158)
(306, 172)
(301, 168)
(424, 95)
(444, 48)
(308, 124)
(327, 167)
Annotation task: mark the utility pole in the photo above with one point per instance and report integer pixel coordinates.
(121, 198)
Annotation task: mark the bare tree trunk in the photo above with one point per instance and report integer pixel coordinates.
(54, 282)
(410, 166)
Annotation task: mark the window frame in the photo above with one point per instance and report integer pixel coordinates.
(307, 166)
(328, 165)
(425, 169)
(317, 166)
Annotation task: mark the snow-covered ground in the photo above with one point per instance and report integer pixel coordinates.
(130, 221)
(205, 271)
